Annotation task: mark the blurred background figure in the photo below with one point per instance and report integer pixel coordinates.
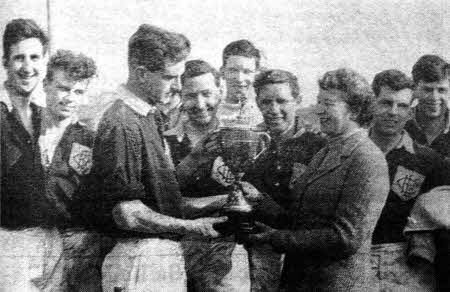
(241, 62)
(430, 124)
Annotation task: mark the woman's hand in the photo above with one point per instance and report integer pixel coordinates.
(263, 236)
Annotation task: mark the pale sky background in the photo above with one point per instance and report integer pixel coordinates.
(307, 37)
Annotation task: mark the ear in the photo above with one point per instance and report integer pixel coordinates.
(222, 88)
(354, 115)
(46, 57)
(141, 73)
(45, 83)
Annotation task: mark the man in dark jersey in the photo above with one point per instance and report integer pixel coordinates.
(292, 148)
(135, 194)
(430, 123)
(66, 155)
(28, 221)
(413, 170)
(219, 264)
(278, 168)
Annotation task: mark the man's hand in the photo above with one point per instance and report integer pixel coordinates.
(205, 226)
(251, 194)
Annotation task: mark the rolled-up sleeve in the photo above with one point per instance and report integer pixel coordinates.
(362, 198)
(117, 170)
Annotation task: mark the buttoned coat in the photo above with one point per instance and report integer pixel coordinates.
(327, 234)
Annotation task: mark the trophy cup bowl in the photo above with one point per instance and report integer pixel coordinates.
(241, 146)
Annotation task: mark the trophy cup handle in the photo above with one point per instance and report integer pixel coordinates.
(266, 140)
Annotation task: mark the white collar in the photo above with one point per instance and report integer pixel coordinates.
(184, 129)
(406, 142)
(135, 103)
(37, 97)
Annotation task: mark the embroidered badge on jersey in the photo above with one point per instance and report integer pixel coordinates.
(222, 173)
(81, 158)
(407, 183)
(298, 169)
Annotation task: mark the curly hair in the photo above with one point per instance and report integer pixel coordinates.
(153, 47)
(21, 29)
(243, 48)
(275, 76)
(77, 66)
(359, 96)
(394, 79)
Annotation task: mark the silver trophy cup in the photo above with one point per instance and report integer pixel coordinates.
(241, 146)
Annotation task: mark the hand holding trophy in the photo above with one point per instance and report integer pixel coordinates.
(240, 147)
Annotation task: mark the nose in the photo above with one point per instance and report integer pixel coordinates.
(176, 85)
(393, 110)
(435, 95)
(26, 65)
(274, 107)
(240, 76)
(70, 96)
(201, 102)
(318, 109)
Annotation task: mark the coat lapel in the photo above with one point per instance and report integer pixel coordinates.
(336, 155)
(330, 162)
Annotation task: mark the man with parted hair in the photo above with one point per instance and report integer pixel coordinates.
(27, 215)
(135, 194)
(430, 124)
(413, 170)
(241, 61)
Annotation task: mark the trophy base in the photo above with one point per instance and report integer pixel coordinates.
(239, 224)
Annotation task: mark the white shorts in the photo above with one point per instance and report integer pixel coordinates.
(31, 260)
(150, 264)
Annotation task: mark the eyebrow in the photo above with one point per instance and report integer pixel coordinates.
(62, 86)
(168, 75)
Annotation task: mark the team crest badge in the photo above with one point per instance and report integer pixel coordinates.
(298, 169)
(222, 173)
(81, 158)
(407, 183)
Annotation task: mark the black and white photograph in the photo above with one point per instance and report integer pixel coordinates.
(225, 145)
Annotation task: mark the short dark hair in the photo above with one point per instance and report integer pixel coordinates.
(77, 66)
(430, 68)
(194, 68)
(275, 76)
(359, 95)
(21, 29)
(154, 47)
(392, 78)
(243, 48)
